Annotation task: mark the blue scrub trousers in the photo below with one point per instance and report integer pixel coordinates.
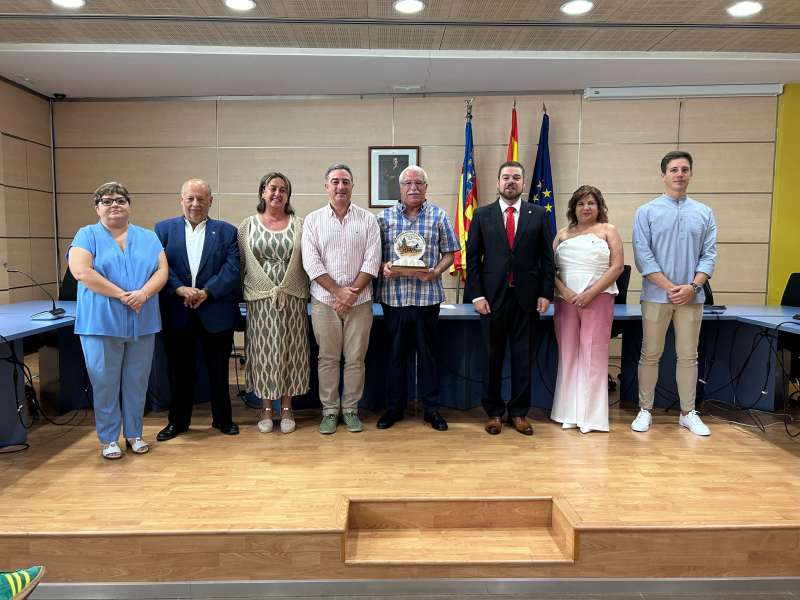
(119, 369)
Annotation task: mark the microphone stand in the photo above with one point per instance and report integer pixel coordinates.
(56, 312)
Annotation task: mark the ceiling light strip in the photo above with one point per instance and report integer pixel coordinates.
(682, 91)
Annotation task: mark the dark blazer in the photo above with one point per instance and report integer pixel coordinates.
(219, 275)
(489, 259)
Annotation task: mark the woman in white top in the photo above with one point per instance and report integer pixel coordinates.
(589, 258)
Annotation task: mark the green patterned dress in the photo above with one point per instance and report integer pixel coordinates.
(277, 329)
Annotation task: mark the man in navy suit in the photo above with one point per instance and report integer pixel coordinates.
(199, 306)
(510, 273)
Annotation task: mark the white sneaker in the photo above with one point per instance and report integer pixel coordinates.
(694, 423)
(568, 426)
(642, 421)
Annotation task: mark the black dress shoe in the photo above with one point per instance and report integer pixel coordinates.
(229, 429)
(169, 432)
(436, 420)
(389, 418)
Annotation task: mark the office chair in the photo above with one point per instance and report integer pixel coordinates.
(622, 298)
(68, 290)
(788, 341)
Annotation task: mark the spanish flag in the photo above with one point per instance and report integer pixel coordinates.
(467, 201)
(513, 138)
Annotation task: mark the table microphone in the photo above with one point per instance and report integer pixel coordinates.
(46, 315)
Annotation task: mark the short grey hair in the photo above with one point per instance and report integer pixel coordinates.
(413, 168)
(337, 167)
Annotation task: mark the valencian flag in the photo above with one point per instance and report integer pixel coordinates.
(467, 200)
(513, 138)
(541, 191)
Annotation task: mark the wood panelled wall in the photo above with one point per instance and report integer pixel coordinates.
(27, 223)
(152, 146)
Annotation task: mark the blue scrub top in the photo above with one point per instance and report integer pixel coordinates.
(100, 315)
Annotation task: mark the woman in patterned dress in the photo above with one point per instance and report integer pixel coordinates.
(276, 291)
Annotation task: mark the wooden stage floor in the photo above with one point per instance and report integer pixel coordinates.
(405, 502)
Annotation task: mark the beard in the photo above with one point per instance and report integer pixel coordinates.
(510, 194)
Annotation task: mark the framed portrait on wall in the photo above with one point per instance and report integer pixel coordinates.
(385, 165)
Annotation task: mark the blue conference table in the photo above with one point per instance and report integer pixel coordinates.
(15, 325)
(737, 360)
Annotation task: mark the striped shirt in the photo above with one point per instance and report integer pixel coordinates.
(434, 226)
(341, 249)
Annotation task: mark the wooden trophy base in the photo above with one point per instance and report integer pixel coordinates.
(409, 271)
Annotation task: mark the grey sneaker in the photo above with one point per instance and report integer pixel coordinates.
(328, 424)
(352, 422)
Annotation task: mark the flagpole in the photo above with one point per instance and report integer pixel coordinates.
(467, 117)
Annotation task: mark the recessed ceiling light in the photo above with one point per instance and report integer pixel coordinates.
(408, 7)
(744, 9)
(241, 4)
(577, 7)
(69, 3)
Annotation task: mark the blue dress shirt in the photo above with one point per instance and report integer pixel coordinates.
(677, 238)
(129, 269)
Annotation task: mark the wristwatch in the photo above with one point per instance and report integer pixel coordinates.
(697, 288)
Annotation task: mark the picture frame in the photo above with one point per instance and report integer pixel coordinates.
(385, 165)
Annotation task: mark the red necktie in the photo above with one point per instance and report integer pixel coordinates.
(510, 226)
(510, 236)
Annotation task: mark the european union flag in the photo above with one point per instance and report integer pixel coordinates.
(541, 191)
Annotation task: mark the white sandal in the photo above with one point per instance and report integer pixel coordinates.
(137, 445)
(287, 421)
(111, 451)
(265, 425)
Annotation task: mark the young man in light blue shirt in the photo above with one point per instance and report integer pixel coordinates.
(674, 245)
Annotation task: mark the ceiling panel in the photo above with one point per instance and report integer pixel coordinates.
(321, 9)
(629, 39)
(480, 38)
(435, 10)
(617, 11)
(695, 40)
(254, 34)
(410, 38)
(759, 41)
(553, 38)
(215, 8)
(323, 36)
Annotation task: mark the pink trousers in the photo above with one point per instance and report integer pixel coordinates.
(583, 334)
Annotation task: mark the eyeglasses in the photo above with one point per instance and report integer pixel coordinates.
(121, 201)
(419, 184)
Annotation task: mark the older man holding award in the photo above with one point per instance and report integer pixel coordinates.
(418, 246)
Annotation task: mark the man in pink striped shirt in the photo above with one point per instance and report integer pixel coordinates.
(342, 255)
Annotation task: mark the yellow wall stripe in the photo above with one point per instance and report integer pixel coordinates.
(784, 253)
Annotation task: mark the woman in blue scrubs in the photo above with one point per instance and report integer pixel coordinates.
(120, 269)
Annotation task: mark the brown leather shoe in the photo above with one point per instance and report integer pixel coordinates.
(521, 424)
(494, 425)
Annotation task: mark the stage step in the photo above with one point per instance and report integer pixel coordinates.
(479, 531)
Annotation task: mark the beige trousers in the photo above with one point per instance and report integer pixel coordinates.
(337, 335)
(686, 320)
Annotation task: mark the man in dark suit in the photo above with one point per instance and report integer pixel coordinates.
(510, 272)
(199, 306)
